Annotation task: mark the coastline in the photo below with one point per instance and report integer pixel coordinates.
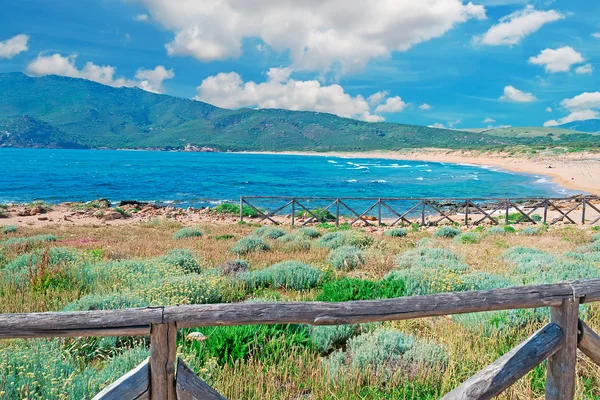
(575, 171)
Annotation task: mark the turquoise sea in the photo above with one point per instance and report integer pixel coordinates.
(201, 179)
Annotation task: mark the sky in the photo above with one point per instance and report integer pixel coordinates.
(443, 63)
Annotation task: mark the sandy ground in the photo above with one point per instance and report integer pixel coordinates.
(576, 171)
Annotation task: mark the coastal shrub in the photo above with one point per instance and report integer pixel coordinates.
(109, 301)
(467, 238)
(493, 322)
(226, 236)
(485, 281)
(28, 242)
(447, 232)
(327, 338)
(182, 258)
(563, 270)
(122, 212)
(385, 351)
(421, 281)
(187, 289)
(509, 229)
(309, 233)
(347, 258)
(90, 205)
(321, 215)
(334, 240)
(427, 243)
(249, 244)
(234, 267)
(347, 289)
(595, 238)
(234, 209)
(284, 275)
(269, 232)
(528, 261)
(8, 229)
(397, 232)
(495, 231)
(531, 231)
(228, 344)
(185, 233)
(297, 244)
(431, 258)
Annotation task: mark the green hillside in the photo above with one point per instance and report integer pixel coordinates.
(56, 111)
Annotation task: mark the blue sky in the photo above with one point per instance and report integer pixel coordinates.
(426, 62)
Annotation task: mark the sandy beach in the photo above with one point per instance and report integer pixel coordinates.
(576, 171)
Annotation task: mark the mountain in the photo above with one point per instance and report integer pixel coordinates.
(56, 111)
(589, 125)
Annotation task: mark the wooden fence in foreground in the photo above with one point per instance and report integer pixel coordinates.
(473, 211)
(163, 377)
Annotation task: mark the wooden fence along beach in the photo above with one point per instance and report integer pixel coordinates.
(163, 377)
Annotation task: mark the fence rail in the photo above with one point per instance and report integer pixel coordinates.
(467, 211)
(155, 378)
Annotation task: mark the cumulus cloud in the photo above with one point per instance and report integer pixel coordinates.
(557, 60)
(548, 109)
(515, 95)
(489, 120)
(584, 69)
(57, 64)
(317, 34)
(581, 107)
(516, 26)
(13, 46)
(596, 35)
(425, 107)
(229, 90)
(141, 17)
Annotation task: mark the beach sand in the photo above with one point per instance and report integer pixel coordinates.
(576, 171)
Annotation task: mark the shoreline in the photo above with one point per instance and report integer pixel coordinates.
(574, 171)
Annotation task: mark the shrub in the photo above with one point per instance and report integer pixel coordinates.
(431, 258)
(495, 231)
(467, 238)
(234, 209)
(307, 232)
(494, 322)
(509, 229)
(186, 289)
(531, 231)
(595, 238)
(347, 258)
(249, 244)
(420, 281)
(427, 243)
(384, 350)
(28, 242)
(228, 344)
(122, 212)
(528, 261)
(8, 229)
(185, 233)
(226, 236)
(182, 258)
(326, 338)
(269, 232)
(297, 244)
(446, 232)
(397, 232)
(110, 301)
(348, 289)
(234, 267)
(321, 214)
(284, 275)
(334, 240)
(485, 281)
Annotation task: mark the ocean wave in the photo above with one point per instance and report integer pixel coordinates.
(420, 178)
(379, 181)
(393, 166)
(332, 162)
(351, 180)
(361, 167)
(542, 180)
(421, 165)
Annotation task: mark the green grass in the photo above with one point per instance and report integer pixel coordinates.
(234, 209)
(347, 289)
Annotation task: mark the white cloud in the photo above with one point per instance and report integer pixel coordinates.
(584, 69)
(56, 64)
(574, 116)
(515, 95)
(489, 120)
(391, 105)
(557, 60)
(437, 125)
(425, 107)
(596, 35)
(514, 27)
(549, 109)
(13, 46)
(229, 90)
(581, 107)
(319, 34)
(141, 18)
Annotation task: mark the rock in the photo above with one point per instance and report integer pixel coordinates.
(42, 218)
(36, 210)
(134, 203)
(113, 215)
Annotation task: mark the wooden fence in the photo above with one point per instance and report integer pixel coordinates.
(163, 377)
(430, 211)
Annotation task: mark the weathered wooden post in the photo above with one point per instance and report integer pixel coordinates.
(545, 210)
(560, 379)
(241, 209)
(583, 212)
(337, 212)
(467, 212)
(293, 213)
(379, 212)
(507, 211)
(423, 213)
(163, 345)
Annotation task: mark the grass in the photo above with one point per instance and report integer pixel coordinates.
(397, 232)
(112, 267)
(8, 229)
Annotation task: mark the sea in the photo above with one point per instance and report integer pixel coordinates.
(207, 179)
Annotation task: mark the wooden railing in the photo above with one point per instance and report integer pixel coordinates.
(155, 378)
(473, 211)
